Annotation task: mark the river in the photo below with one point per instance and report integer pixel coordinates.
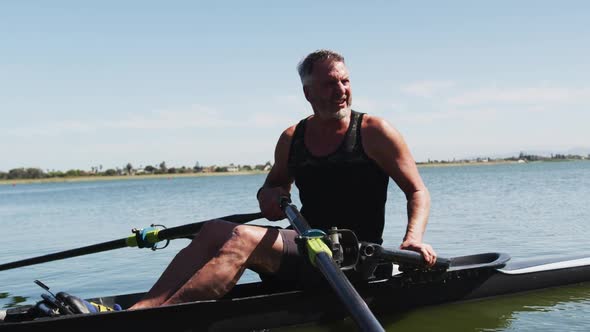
(528, 210)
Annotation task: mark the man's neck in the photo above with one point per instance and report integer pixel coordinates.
(323, 136)
(332, 126)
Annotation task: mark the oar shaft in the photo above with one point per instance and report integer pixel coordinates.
(115, 244)
(354, 303)
(296, 219)
(164, 234)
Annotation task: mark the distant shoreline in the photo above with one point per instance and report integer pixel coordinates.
(472, 163)
(493, 162)
(189, 175)
(124, 177)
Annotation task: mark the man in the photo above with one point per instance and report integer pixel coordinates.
(341, 162)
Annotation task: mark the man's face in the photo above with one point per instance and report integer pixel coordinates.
(329, 91)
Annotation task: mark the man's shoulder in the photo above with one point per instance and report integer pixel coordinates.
(289, 131)
(378, 132)
(287, 136)
(374, 123)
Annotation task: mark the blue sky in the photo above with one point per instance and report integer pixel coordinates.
(84, 84)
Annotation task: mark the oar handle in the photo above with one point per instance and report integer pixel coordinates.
(402, 256)
(295, 217)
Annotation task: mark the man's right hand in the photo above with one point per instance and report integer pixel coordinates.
(424, 249)
(269, 200)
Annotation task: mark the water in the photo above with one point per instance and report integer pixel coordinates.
(527, 210)
(559, 309)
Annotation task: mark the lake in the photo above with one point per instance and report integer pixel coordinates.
(528, 210)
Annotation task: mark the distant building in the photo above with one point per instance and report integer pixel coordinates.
(265, 167)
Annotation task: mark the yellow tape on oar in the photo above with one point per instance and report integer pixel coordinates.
(131, 241)
(100, 307)
(143, 238)
(316, 246)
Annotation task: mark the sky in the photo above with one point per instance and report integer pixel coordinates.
(92, 83)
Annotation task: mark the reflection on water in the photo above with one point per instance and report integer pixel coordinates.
(558, 309)
(510, 313)
(8, 301)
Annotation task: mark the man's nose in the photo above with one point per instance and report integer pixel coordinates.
(341, 88)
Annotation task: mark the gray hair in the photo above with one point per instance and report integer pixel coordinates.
(305, 67)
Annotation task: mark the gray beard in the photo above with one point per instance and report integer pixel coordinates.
(341, 114)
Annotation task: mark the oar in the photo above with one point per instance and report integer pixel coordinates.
(140, 238)
(399, 256)
(320, 255)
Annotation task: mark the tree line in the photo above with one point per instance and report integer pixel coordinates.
(521, 157)
(162, 168)
(127, 170)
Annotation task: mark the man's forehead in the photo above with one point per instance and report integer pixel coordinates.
(330, 68)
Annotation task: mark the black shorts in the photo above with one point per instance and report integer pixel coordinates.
(297, 271)
(295, 268)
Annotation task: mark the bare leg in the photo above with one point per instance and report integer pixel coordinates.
(214, 261)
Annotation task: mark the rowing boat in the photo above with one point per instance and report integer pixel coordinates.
(260, 306)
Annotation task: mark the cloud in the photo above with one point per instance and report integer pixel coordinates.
(367, 105)
(479, 104)
(281, 111)
(271, 119)
(278, 111)
(197, 116)
(525, 95)
(275, 112)
(48, 129)
(428, 88)
(439, 116)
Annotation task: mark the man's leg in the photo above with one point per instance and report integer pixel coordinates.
(214, 261)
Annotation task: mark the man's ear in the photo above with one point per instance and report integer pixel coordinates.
(306, 93)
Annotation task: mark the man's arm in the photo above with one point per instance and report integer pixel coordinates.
(386, 146)
(278, 181)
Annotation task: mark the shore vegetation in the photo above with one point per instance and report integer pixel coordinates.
(521, 158)
(35, 175)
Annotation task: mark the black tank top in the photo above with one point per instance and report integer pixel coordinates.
(346, 189)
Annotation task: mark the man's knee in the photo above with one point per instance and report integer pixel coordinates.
(253, 235)
(264, 245)
(216, 226)
(218, 233)
(221, 231)
(213, 234)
